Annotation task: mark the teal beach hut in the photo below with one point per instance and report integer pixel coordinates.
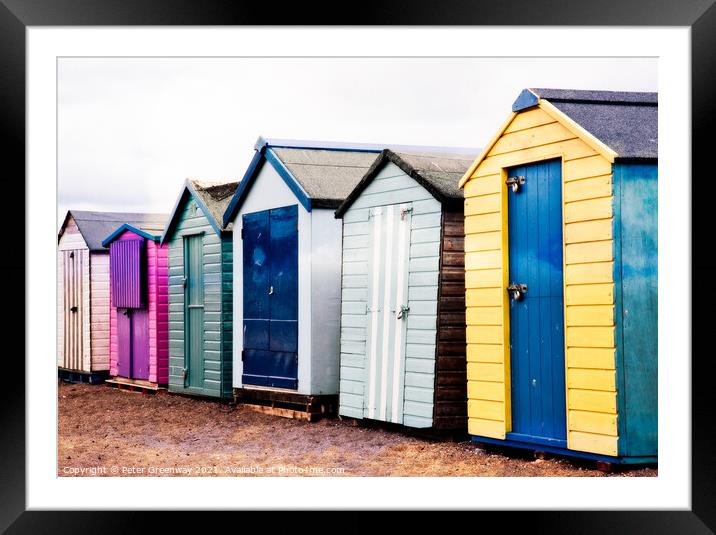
(200, 290)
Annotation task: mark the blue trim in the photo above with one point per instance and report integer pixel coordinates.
(564, 451)
(526, 99)
(188, 190)
(109, 239)
(542, 441)
(321, 145)
(291, 182)
(245, 185)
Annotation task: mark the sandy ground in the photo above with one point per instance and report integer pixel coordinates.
(105, 431)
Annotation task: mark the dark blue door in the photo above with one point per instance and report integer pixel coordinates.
(537, 317)
(270, 246)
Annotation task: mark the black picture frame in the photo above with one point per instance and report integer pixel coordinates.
(17, 15)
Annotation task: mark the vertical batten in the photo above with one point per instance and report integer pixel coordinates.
(377, 219)
(386, 312)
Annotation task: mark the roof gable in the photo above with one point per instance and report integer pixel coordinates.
(96, 226)
(150, 233)
(625, 121)
(620, 125)
(212, 199)
(439, 174)
(319, 177)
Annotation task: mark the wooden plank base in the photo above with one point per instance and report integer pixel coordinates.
(287, 404)
(74, 376)
(133, 385)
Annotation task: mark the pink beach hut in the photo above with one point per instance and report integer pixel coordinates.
(139, 308)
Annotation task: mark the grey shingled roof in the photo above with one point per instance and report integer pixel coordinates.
(626, 122)
(327, 176)
(439, 173)
(443, 171)
(216, 196)
(96, 226)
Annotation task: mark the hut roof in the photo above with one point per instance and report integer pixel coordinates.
(96, 226)
(320, 173)
(437, 172)
(213, 197)
(620, 125)
(626, 122)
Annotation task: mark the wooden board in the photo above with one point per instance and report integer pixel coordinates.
(450, 395)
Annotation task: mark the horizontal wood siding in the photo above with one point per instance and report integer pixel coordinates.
(216, 358)
(392, 186)
(532, 136)
(157, 288)
(451, 372)
(227, 307)
(99, 310)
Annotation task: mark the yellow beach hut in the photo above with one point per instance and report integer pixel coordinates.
(561, 277)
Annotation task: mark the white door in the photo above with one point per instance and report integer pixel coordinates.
(387, 311)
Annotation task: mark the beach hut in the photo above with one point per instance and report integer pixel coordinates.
(403, 309)
(287, 272)
(561, 277)
(139, 310)
(200, 290)
(83, 292)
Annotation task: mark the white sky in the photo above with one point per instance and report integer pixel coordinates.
(131, 130)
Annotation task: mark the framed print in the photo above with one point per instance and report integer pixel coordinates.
(442, 263)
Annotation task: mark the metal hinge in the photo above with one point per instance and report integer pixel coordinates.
(404, 212)
(243, 355)
(242, 233)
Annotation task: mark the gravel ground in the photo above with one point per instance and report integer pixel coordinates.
(105, 431)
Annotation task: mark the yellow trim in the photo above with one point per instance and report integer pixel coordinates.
(588, 138)
(557, 115)
(486, 150)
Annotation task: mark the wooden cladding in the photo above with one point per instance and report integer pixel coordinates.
(450, 404)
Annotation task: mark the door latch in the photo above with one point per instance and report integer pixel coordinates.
(516, 291)
(73, 309)
(271, 290)
(402, 312)
(515, 182)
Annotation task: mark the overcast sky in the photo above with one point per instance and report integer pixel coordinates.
(131, 130)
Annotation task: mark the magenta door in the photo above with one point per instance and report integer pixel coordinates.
(140, 343)
(124, 342)
(133, 343)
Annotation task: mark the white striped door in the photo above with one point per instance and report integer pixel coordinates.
(73, 309)
(387, 296)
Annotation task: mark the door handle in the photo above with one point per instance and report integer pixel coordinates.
(271, 290)
(73, 309)
(517, 291)
(403, 312)
(515, 182)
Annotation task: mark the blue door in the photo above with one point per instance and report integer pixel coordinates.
(270, 246)
(537, 314)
